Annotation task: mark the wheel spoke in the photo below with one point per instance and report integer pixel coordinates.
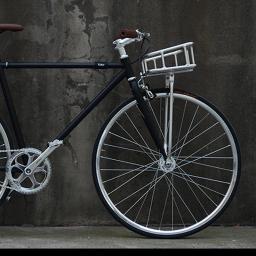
(197, 136)
(156, 119)
(131, 149)
(181, 125)
(183, 144)
(176, 205)
(123, 138)
(121, 161)
(138, 132)
(143, 170)
(208, 165)
(194, 193)
(211, 153)
(204, 178)
(199, 122)
(184, 203)
(145, 198)
(152, 198)
(158, 179)
(205, 146)
(127, 172)
(209, 157)
(134, 140)
(189, 179)
(163, 211)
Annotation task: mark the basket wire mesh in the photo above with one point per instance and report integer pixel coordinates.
(176, 59)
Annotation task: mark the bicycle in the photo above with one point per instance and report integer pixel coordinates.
(166, 162)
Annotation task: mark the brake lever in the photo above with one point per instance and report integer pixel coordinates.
(142, 35)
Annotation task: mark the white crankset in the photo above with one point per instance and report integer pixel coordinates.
(24, 180)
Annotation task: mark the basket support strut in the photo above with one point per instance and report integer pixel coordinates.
(169, 83)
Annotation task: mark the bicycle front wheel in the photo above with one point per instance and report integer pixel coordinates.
(152, 199)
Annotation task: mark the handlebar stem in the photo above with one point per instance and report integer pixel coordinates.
(120, 46)
(121, 43)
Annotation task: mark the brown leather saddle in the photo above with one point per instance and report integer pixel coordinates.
(10, 27)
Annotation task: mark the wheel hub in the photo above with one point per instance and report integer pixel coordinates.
(167, 165)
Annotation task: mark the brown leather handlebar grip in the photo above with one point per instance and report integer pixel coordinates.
(127, 33)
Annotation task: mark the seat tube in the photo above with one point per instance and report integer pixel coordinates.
(11, 109)
(144, 107)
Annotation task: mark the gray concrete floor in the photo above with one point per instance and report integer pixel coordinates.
(120, 237)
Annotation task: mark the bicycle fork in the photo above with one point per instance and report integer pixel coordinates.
(148, 117)
(164, 145)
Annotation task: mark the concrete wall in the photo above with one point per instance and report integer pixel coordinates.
(224, 36)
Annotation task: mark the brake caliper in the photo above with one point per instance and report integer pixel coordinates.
(149, 94)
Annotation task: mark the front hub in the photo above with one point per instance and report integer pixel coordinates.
(167, 166)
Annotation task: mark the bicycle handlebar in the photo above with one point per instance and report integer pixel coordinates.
(126, 37)
(127, 33)
(132, 33)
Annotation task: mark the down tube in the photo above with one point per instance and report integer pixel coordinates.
(87, 109)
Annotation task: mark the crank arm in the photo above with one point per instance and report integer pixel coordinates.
(51, 147)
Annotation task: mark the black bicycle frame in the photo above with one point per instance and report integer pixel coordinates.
(87, 109)
(126, 72)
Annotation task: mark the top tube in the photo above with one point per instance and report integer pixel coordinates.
(76, 65)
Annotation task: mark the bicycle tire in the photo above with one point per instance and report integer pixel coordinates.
(141, 228)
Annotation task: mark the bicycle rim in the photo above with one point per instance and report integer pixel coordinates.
(4, 145)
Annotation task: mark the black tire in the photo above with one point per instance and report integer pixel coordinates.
(128, 224)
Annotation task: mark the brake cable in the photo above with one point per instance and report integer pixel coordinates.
(144, 53)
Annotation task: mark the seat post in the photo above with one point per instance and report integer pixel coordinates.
(11, 109)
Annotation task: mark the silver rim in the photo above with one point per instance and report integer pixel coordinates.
(163, 201)
(4, 145)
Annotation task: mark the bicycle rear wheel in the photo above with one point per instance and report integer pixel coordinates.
(151, 199)
(4, 156)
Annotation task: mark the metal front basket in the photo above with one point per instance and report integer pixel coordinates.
(176, 59)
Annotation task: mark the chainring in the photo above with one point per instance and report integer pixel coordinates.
(27, 182)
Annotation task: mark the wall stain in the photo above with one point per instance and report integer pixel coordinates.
(49, 23)
(48, 6)
(69, 146)
(87, 8)
(76, 92)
